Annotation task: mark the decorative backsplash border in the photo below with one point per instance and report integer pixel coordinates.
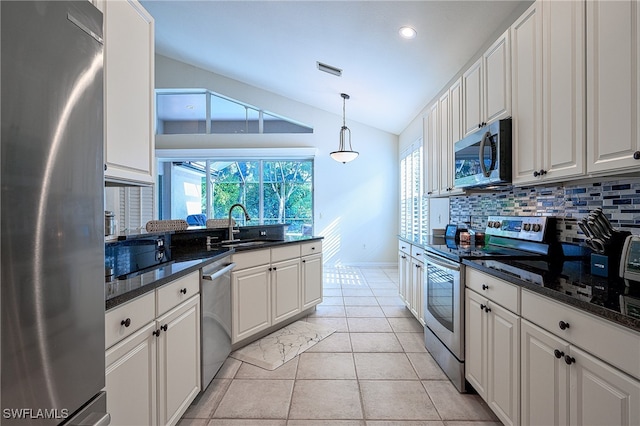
(619, 199)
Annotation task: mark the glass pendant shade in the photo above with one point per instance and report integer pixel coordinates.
(344, 155)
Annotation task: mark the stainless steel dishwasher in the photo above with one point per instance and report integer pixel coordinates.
(215, 311)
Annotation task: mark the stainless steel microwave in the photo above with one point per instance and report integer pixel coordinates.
(484, 158)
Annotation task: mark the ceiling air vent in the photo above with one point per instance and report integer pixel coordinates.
(329, 69)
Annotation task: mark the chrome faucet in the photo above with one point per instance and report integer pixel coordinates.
(246, 215)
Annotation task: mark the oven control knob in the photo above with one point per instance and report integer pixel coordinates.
(527, 227)
(536, 227)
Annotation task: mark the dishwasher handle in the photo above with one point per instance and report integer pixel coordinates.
(212, 276)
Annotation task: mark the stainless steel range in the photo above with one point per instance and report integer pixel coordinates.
(506, 237)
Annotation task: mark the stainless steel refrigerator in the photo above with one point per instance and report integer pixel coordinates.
(51, 213)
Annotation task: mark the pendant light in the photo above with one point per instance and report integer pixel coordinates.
(344, 155)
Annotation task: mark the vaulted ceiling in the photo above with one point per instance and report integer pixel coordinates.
(275, 45)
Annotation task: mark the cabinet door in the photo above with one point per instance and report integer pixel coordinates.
(497, 80)
(285, 290)
(131, 370)
(250, 301)
(503, 370)
(527, 94)
(600, 394)
(416, 288)
(311, 280)
(129, 85)
(445, 161)
(432, 151)
(613, 74)
(455, 128)
(563, 81)
(545, 378)
(475, 340)
(472, 98)
(404, 272)
(178, 360)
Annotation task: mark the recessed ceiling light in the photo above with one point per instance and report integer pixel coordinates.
(407, 32)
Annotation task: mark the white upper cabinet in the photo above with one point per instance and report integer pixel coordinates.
(613, 90)
(432, 150)
(450, 126)
(129, 86)
(487, 87)
(548, 77)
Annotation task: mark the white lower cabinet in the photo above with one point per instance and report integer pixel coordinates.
(286, 289)
(404, 272)
(417, 282)
(492, 355)
(582, 369)
(311, 280)
(270, 286)
(153, 355)
(178, 367)
(545, 377)
(411, 275)
(564, 385)
(131, 379)
(251, 302)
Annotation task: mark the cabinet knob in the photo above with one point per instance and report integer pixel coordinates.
(569, 359)
(183, 290)
(275, 269)
(126, 322)
(482, 307)
(313, 248)
(164, 327)
(304, 261)
(156, 333)
(485, 287)
(105, 167)
(636, 155)
(563, 325)
(487, 309)
(542, 172)
(558, 354)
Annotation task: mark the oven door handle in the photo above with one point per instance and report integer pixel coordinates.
(443, 263)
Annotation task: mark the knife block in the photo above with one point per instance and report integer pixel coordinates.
(608, 263)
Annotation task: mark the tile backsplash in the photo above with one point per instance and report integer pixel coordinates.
(619, 199)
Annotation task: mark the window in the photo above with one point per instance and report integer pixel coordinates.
(204, 112)
(273, 191)
(413, 203)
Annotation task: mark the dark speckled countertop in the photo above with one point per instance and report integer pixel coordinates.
(183, 262)
(571, 282)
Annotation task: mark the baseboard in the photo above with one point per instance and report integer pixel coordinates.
(367, 264)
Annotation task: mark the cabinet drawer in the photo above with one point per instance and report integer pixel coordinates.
(495, 289)
(404, 247)
(613, 344)
(251, 258)
(311, 248)
(417, 252)
(176, 292)
(288, 251)
(136, 314)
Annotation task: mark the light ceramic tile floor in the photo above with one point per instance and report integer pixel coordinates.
(374, 370)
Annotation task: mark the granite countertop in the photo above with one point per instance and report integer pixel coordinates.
(571, 282)
(183, 261)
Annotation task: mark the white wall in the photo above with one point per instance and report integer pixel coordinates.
(355, 204)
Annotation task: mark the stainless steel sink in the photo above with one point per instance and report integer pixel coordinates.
(244, 243)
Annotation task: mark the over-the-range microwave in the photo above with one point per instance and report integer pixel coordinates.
(484, 158)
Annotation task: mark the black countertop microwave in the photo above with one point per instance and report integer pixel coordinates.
(484, 158)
